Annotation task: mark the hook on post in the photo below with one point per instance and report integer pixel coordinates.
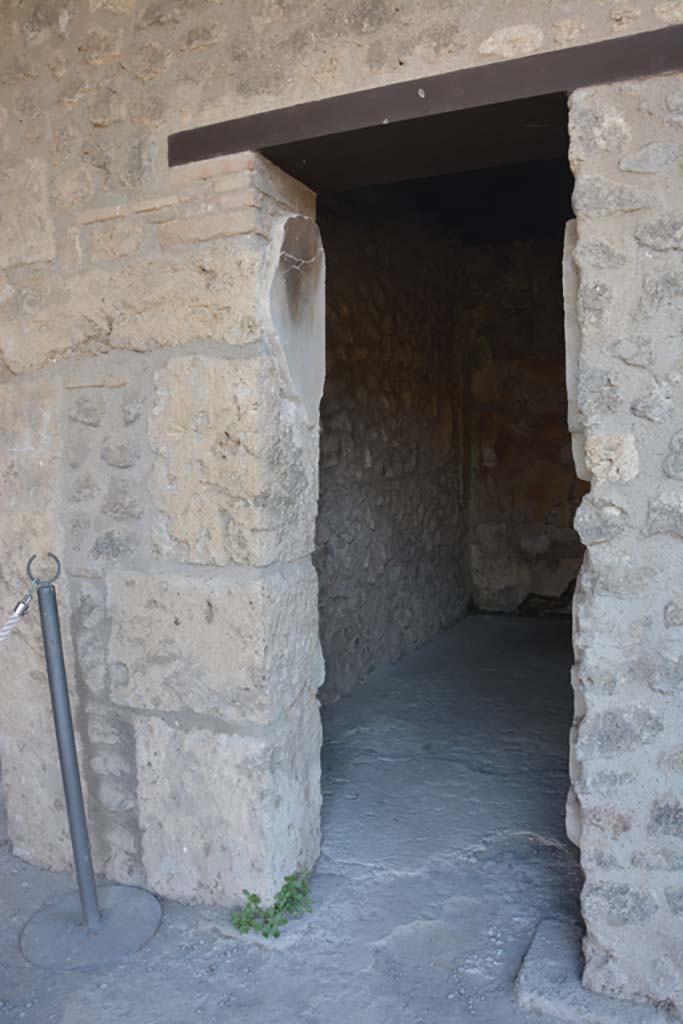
(36, 580)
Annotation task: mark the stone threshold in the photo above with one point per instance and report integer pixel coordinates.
(549, 982)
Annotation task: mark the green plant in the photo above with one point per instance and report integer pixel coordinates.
(291, 901)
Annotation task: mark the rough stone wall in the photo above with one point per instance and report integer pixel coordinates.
(391, 526)
(161, 435)
(96, 86)
(524, 488)
(627, 763)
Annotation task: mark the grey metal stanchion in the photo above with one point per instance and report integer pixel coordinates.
(93, 927)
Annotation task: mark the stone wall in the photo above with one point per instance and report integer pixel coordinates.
(160, 422)
(157, 425)
(627, 763)
(524, 487)
(392, 526)
(95, 86)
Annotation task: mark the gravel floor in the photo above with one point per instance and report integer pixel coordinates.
(444, 784)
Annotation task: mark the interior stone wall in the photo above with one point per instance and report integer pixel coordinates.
(524, 491)
(627, 757)
(391, 535)
(446, 467)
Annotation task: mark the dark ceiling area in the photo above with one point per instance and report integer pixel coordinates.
(517, 202)
(502, 134)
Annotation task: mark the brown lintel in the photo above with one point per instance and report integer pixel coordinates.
(633, 56)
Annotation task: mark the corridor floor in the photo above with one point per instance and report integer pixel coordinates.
(444, 783)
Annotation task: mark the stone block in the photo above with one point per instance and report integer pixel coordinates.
(597, 127)
(595, 196)
(666, 818)
(673, 463)
(212, 293)
(240, 221)
(665, 515)
(241, 650)
(658, 402)
(74, 188)
(617, 903)
(549, 982)
(111, 241)
(598, 520)
(612, 458)
(663, 234)
(673, 613)
(617, 731)
(26, 234)
(650, 159)
(221, 812)
(235, 474)
(512, 41)
(30, 425)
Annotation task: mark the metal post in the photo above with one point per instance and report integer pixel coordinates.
(90, 928)
(68, 759)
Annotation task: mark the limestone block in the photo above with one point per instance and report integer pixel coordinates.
(26, 234)
(650, 158)
(74, 187)
(240, 221)
(673, 463)
(658, 401)
(599, 520)
(597, 127)
(612, 458)
(617, 903)
(235, 475)
(143, 304)
(220, 812)
(240, 650)
(595, 196)
(111, 241)
(673, 613)
(30, 416)
(663, 234)
(665, 514)
(512, 41)
(617, 731)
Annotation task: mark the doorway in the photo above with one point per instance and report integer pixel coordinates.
(447, 484)
(445, 548)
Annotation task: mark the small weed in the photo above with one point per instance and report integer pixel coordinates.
(292, 900)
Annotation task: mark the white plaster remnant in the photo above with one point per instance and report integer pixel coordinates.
(297, 309)
(572, 340)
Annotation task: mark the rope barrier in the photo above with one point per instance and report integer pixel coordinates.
(20, 610)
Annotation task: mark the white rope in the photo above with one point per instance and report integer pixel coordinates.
(17, 615)
(14, 620)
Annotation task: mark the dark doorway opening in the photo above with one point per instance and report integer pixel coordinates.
(447, 481)
(446, 560)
